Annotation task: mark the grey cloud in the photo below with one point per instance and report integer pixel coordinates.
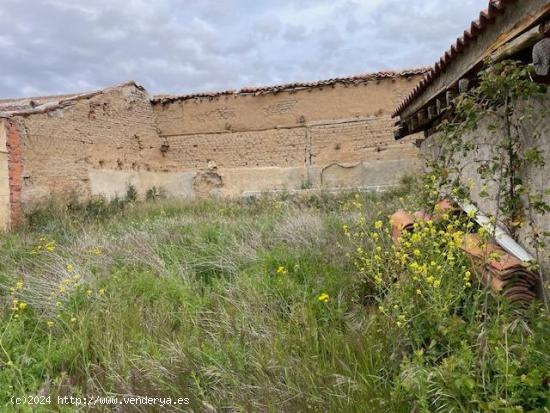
(182, 46)
(294, 33)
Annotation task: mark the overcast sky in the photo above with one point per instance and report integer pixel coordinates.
(183, 46)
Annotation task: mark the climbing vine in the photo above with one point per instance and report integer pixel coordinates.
(489, 132)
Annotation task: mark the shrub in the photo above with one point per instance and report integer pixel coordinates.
(155, 193)
(131, 194)
(458, 347)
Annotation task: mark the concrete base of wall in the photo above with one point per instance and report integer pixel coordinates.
(113, 183)
(237, 182)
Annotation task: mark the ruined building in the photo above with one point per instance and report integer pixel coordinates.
(329, 134)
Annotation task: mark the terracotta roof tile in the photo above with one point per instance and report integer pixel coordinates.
(486, 17)
(353, 80)
(503, 273)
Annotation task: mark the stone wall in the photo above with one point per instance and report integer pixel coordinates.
(535, 131)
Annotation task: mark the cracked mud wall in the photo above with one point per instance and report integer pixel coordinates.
(5, 204)
(332, 136)
(65, 148)
(337, 136)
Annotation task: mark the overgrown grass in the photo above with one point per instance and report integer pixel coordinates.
(253, 306)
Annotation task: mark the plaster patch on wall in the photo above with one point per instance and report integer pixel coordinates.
(111, 183)
(338, 175)
(238, 181)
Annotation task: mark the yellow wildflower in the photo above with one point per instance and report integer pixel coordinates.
(281, 270)
(19, 285)
(22, 305)
(324, 297)
(70, 268)
(378, 224)
(418, 292)
(73, 319)
(101, 291)
(50, 323)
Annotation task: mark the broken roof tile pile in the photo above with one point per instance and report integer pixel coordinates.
(289, 87)
(501, 271)
(497, 269)
(477, 27)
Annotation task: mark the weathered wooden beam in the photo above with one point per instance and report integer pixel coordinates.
(506, 27)
(463, 85)
(544, 28)
(422, 116)
(432, 112)
(412, 124)
(401, 131)
(439, 106)
(450, 96)
(523, 41)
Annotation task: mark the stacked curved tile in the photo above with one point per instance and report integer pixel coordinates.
(499, 270)
(504, 273)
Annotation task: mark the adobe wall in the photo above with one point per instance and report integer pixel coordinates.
(61, 146)
(5, 210)
(335, 136)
